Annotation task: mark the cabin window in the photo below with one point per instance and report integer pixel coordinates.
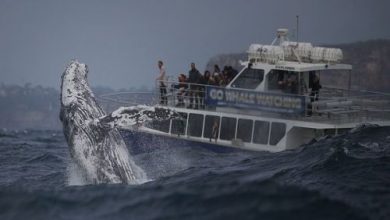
(210, 122)
(287, 81)
(179, 125)
(249, 79)
(278, 131)
(160, 125)
(228, 128)
(276, 79)
(244, 130)
(195, 125)
(261, 132)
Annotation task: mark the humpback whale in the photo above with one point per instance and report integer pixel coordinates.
(96, 146)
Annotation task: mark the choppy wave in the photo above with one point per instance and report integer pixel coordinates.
(343, 177)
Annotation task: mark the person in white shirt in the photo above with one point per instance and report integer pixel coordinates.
(160, 80)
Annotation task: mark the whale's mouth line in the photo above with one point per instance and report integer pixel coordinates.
(100, 154)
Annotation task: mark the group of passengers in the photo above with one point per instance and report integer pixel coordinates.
(218, 77)
(193, 84)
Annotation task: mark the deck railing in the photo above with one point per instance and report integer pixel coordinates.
(333, 105)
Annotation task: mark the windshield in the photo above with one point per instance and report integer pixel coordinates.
(249, 79)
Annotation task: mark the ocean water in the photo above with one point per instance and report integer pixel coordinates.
(343, 177)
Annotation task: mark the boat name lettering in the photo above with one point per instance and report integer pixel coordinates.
(285, 67)
(254, 100)
(216, 94)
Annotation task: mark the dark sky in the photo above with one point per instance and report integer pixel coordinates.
(122, 40)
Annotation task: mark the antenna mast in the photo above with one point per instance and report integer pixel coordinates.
(297, 27)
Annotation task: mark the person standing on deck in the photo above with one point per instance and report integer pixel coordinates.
(160, 80)
(181, 88)
(315, 88)
(193, 80)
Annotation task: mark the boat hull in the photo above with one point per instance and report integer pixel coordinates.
(140, 142)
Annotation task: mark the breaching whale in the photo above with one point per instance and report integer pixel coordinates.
(96, 146)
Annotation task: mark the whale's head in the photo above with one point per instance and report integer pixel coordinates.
(78, 104)
(74, 86)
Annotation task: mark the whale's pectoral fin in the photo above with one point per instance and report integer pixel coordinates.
(136, 115)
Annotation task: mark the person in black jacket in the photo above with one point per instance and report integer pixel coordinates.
(203, 81)
(315, 89)
(193, 80)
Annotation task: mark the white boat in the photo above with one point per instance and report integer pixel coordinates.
(268, 105)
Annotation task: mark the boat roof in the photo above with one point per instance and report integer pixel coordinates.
(283, 54)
